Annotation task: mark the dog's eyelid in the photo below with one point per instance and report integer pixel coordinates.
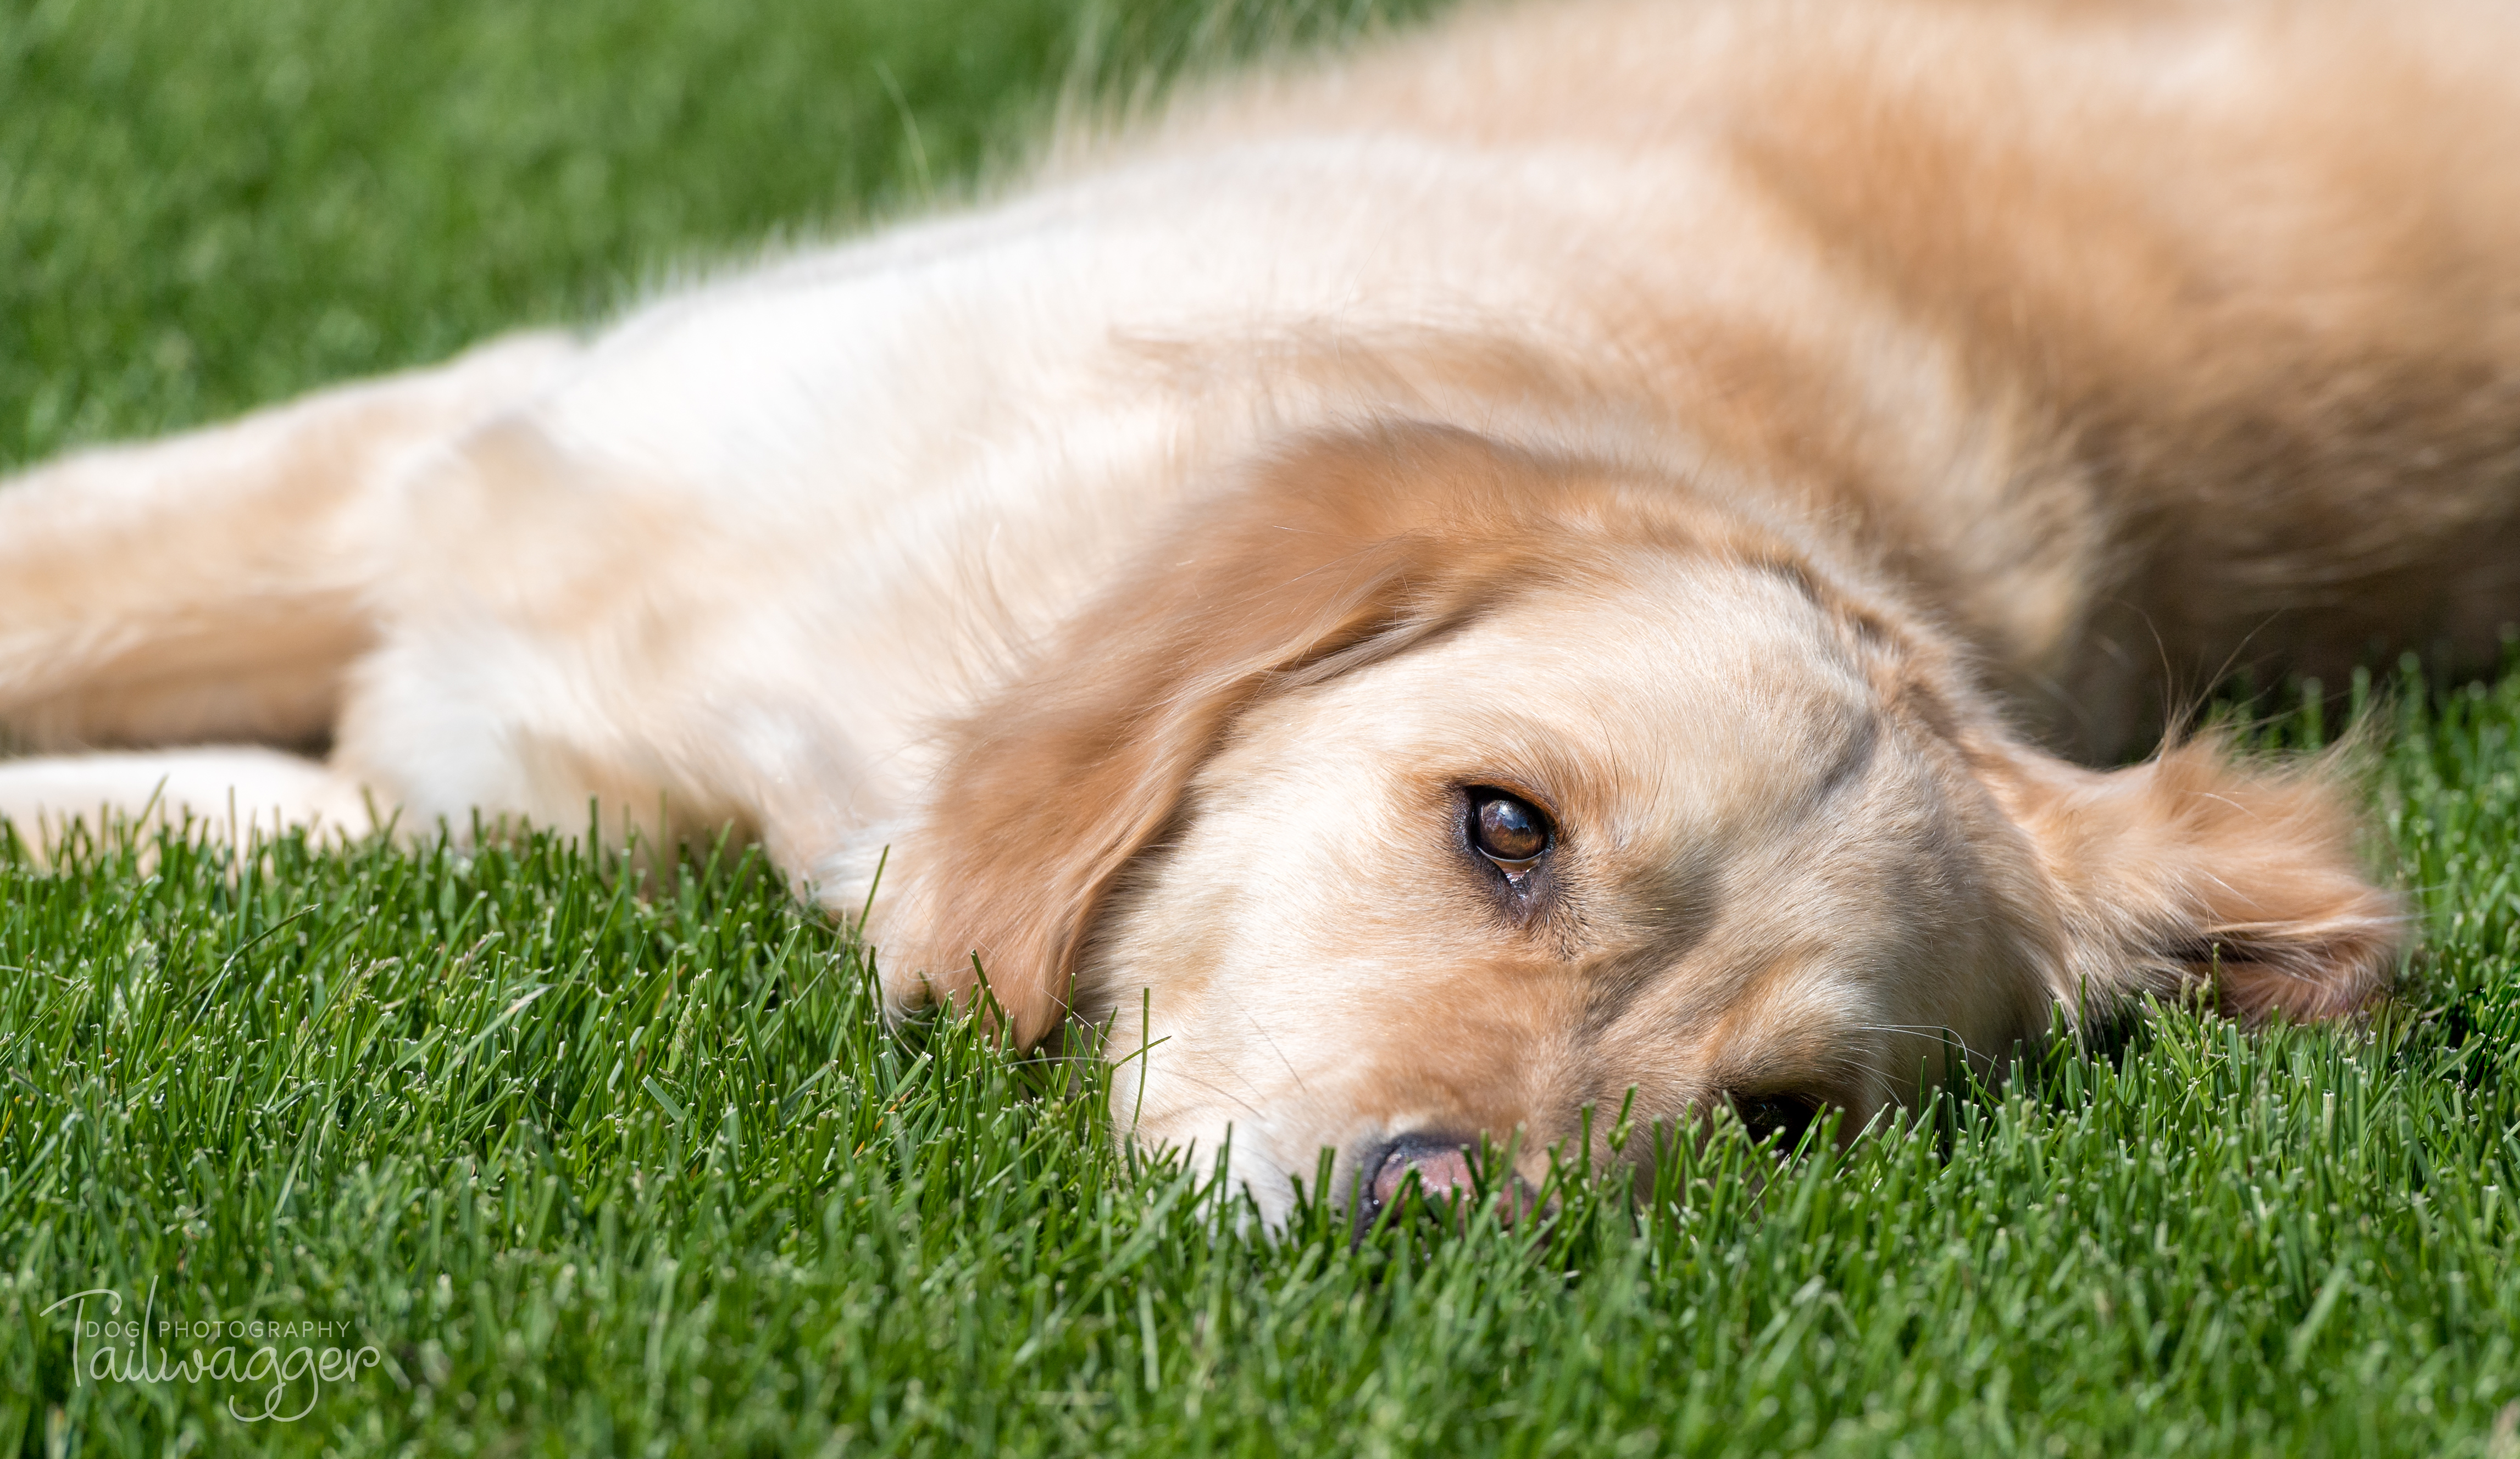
(1512, 789)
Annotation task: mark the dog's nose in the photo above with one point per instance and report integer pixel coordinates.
(1441, 1165)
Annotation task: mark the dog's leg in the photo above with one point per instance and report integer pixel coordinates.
(210, 587)
(231, 792)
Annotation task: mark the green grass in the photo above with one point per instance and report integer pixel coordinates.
(595, 1173)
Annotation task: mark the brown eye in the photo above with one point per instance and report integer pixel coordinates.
(1507, 829)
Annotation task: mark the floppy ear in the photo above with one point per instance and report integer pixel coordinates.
(2198, 868)
(1333, 554)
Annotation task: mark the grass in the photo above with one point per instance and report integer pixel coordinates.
(590, 1172)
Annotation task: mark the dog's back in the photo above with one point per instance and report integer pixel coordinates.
(2146, 330)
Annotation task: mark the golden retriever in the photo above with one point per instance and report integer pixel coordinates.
(1584, 549)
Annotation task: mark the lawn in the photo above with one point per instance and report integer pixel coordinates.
(523, 1161)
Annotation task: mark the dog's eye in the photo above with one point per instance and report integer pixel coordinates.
(1507, 829)
(1777, 1119)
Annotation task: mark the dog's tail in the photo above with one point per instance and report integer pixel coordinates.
(212, 586)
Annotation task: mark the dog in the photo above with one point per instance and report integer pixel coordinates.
(1590, 555)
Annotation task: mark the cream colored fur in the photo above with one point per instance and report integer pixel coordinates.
(1764, 436)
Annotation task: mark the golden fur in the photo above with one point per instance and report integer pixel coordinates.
(1771, 441)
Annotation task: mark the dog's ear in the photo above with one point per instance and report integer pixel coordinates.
(2202, 871)
(1332, 553)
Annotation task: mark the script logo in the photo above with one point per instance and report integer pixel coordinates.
(276, 1361)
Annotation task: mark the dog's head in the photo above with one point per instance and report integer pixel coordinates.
(1421, 789)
